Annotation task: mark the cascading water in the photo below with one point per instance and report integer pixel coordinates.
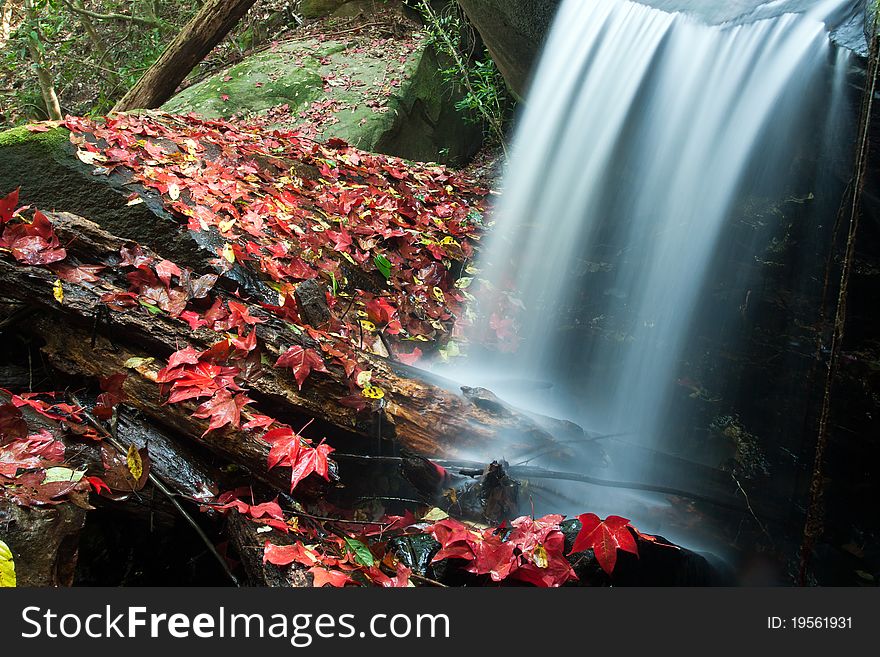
(642, 134)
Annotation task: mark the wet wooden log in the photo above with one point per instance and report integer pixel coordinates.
(425, 418)
(248, 544)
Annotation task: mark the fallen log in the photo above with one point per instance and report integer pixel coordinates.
(416, 415)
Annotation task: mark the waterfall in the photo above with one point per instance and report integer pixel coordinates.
(642, 133)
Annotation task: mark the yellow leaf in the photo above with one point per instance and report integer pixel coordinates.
(226, 225)
(173, 191)
(135, 201)
(7, 566)
(438, 294)
(58, 291)
(373, 392)
(228, 253)
(435, 515)
(539, 556)
(363, 378)
(368, 325)
(134, 462)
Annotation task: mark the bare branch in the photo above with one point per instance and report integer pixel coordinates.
(82, 11)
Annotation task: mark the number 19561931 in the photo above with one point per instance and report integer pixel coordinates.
(809, 623)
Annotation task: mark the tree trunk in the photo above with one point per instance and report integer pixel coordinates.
(44, 77)
(5, 21)
(197, 38)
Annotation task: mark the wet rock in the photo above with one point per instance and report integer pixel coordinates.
(44, 542)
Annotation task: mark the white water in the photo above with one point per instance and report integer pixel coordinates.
(641, 132)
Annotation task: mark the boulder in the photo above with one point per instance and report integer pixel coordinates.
(381, 94)
(513, 31)
(319, 8)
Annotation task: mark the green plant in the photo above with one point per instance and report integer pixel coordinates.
(485, 96)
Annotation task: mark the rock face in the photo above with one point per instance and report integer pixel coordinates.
(380, 94)
(514, 31)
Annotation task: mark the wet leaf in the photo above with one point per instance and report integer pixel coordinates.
(361, 552)
(604, 537)
(7, 566)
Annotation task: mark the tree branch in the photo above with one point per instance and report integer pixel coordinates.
(82, 11)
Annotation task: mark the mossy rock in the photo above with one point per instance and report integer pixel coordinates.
(50, 177)
(319, 8)
(385, 96)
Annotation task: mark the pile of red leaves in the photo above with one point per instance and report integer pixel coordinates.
(297, 210)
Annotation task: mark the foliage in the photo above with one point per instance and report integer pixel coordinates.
(485, 94)
(95, 60)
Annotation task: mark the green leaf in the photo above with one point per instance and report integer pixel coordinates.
(361, 552)
(7, 566)
(149, 306)
(383, 264)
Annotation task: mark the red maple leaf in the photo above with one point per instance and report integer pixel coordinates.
(98, 485)
(283, 555)
(285, 447)
(545, 565)
(187, 356)
(80, 274)
(324, 576)
(269, 509)
(165, 270)
(309, 460)
(35, 243)
(604, 537)
(411, 358)
(302, 362)
(7, 206)
(223, 409)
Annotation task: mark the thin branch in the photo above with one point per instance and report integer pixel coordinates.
(82, 11)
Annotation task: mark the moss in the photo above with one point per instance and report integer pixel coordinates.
(262, 81)
(419, 120)
(50, 177)
(53, 139)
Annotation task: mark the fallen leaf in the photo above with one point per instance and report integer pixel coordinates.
(7, 566)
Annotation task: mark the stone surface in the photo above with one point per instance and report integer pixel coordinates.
(44, 166)
(319, 8)
(514, 31)
(378, 93)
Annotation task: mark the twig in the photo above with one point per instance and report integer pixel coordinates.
(749, 505)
